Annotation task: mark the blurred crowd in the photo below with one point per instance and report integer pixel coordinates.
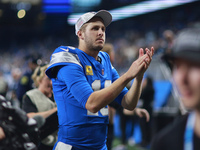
(14, 59)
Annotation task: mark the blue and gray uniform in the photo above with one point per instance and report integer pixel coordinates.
(75, 76)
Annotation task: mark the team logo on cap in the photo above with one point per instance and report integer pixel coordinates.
(88, 70)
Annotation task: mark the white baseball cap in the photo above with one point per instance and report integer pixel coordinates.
(104, 14)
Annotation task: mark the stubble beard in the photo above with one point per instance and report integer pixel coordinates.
(91, 46)
(97, 48)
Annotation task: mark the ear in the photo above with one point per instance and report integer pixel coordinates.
(39, 81)
(80, 35)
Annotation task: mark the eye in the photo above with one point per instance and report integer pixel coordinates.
(176, 65)
(103, 29)
(96, 28)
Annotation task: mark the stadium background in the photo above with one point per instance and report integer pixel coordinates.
(45, 26)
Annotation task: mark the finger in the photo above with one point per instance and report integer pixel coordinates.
(140, 114)
(152, 51)
(141, 52)
(146, 49)
(146, 61)
(147, 116)
(141, 59)
(141, 62)
(148, 52)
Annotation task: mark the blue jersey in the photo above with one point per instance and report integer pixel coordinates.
(75, 76)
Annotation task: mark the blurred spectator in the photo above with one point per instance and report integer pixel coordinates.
(130, 115)
(144, 113)
(26, 83)
(146, 98)
(108, 48)
(12, 92)
(184, 133)
(17, 131)
(37, 102)
(3, 85)
(169, 38)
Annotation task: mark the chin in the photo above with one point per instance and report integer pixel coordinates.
(98, 48)
(190, 104)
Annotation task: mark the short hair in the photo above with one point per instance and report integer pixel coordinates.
(83, 27)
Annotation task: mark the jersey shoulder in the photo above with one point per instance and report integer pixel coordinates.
(62, 55)
(68, 49)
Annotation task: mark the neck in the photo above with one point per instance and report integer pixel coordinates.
(88, 51)
(41, 90)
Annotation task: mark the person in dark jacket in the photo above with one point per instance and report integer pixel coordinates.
(26, 83)
(184, 133)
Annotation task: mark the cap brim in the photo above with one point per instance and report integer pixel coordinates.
(105, 15)
(193, 56)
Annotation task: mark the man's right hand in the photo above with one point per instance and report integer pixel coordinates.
(139, 66)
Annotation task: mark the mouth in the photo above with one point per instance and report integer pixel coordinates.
(187, 94)
(101, 40)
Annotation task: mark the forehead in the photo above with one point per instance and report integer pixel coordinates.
(181, 61)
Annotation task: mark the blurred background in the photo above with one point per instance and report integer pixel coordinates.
(37, 27)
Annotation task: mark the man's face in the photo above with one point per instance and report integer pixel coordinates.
(187, 78)
(94, 34)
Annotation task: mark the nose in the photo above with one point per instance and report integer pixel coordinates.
(101, 32)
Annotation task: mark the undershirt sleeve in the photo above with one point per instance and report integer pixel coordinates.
(74, 77)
